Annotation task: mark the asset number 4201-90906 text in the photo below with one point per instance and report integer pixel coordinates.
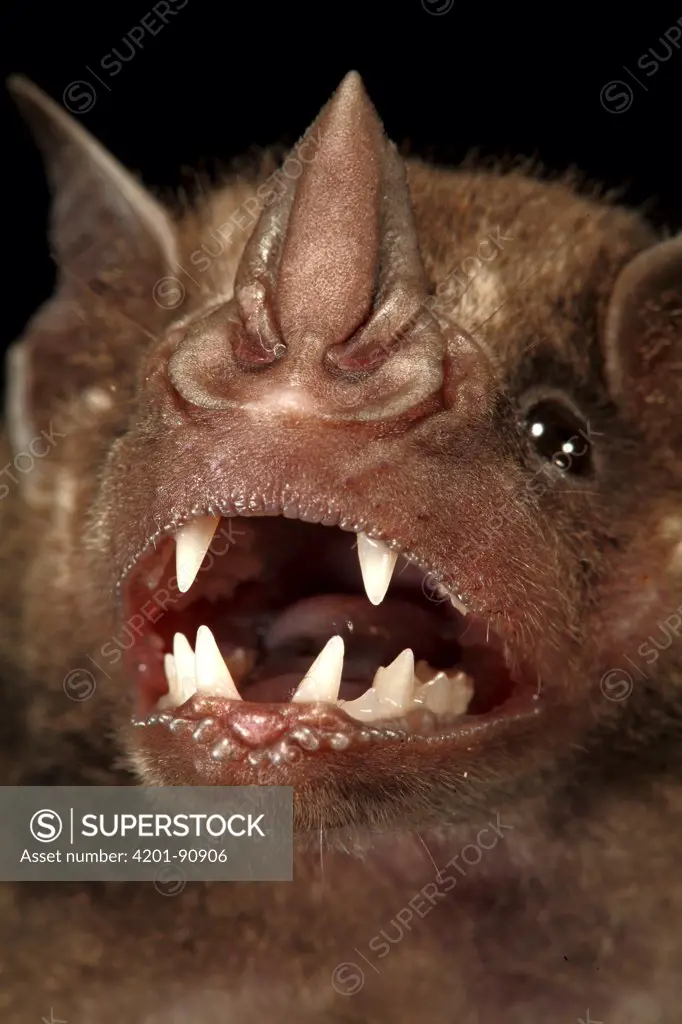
(191, 856)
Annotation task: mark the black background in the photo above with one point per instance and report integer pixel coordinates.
(220, 77)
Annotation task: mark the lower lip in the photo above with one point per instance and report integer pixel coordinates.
(213, 741)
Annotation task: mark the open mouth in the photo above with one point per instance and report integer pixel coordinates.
(259, 632)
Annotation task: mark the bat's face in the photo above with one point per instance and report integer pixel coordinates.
(374, 511)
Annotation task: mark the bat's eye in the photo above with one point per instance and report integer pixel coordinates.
(560, 437)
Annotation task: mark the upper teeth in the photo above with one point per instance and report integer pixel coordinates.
(193, 540)
(191, 544)
(394, 690)
(377, 563)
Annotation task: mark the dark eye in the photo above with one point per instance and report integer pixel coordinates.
(558, 436)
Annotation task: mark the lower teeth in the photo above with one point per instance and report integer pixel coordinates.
(396, 689)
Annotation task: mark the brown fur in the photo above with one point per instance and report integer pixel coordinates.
(579, 905)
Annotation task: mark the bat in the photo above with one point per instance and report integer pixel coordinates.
(360, 475)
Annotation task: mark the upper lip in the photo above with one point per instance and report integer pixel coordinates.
(335, 515)
(191, 547)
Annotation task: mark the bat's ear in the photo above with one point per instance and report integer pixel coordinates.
(112, 242)
(643, 341)
(107, 232)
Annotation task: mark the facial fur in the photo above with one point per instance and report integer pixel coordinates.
(363, 345)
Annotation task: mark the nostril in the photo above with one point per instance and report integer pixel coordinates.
(252, 330)
(254, 352)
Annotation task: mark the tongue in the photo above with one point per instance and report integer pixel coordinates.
(373, 635)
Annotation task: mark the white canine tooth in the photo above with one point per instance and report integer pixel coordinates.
(377, 563)
(191, 544)
(211, 673)
(395, 684)
(323, 678)
(173, 698)
(456, 603)
(184, 665)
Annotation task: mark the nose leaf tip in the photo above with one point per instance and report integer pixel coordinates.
(331, 276)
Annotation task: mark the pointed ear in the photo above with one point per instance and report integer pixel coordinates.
(643, 341)
(107, 232)
(112, 242)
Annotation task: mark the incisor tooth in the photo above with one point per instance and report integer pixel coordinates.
(323, 678)
(377, 563)
(211, 673)
(169, 670)
(173, 698)
(184, 665)
(191, 544)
